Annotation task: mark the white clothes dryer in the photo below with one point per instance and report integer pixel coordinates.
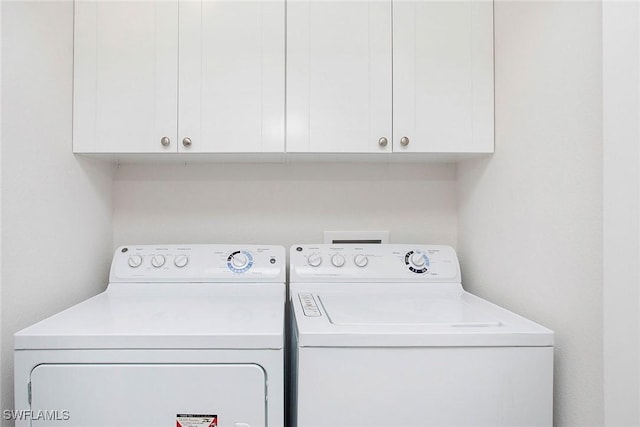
(184, 335)
(385, 335)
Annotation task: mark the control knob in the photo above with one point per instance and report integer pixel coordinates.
(135, 261)
(314, 260)
(158, 261)
(337, 260)
(417, 259)
(361, 260)
(181, 261)
(239, 260)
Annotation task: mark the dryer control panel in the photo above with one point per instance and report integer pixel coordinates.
(198, 263)
(374, 263)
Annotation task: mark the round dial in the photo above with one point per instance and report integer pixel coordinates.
(361, 260)
(417, 262)
(158, 261)
(337, 260)
(239, 260)
(417, 259)
(314, 260)
(181, 261)
(135, 261)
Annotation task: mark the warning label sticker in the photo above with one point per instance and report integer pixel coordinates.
(196, 420)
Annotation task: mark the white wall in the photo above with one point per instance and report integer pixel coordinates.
(283, 203)
(530, 217)
(536, 203)
(1, 388)
(621, 156)
(56, 209)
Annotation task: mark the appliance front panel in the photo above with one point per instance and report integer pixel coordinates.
(148, 395)
(417, 387)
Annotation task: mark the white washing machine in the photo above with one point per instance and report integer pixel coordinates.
(184, 335)
(385, 335)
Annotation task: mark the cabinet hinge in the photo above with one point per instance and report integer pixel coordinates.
(29, 391)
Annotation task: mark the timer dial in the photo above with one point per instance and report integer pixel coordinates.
(417, 262)
(239, 260)
(417, 259)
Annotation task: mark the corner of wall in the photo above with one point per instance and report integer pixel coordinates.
(56, 208)
(530, 216)
(621, 224)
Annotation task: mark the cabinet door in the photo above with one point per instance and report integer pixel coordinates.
(443, 76)
(125, 77)
(339, 76)
(232, 73)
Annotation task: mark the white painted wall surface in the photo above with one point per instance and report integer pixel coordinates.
(283, 203)
(56, 208)
(530, 216)
(536, 203)
(1, 388)
(621, 185)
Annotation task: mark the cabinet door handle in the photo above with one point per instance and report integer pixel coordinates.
(404, 141)
(383, 142)
(186, 142)
(165, 141)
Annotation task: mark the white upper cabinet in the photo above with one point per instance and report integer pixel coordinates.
(232, 74)
(339, 76)
(125, 77)
(209, 76)
(443, 76)
(390, 76)
(179, 76)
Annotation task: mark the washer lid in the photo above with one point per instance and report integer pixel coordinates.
(194, 316)
(399, 310)
(382, 317)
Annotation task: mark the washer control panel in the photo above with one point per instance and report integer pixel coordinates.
(361, 263)
(198, 263)
(309, 305)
